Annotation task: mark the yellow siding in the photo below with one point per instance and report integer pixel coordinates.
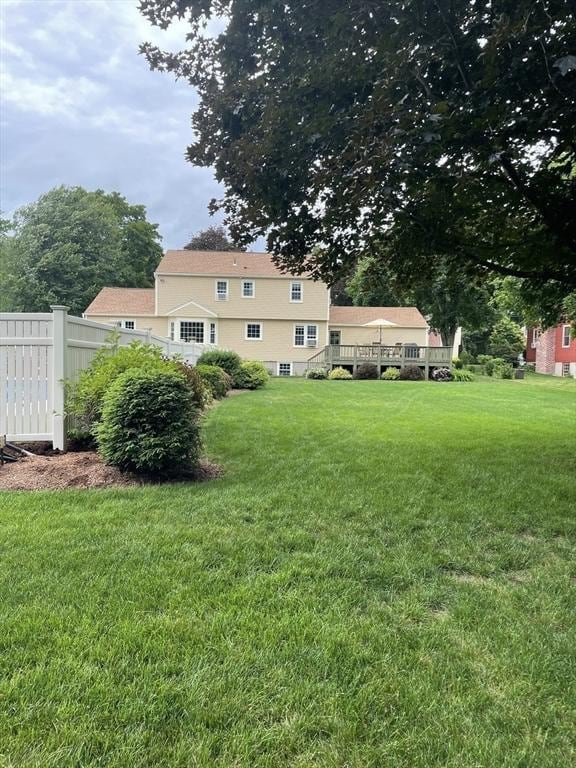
(271, 299)
(158, 325)
(390, 336)
(276, 345)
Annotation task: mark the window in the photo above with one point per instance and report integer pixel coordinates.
(192, 330)
(172, 330)
(128, 324)
(565, 369)
(335, 338)
(254, 331)
(566, 336)
(284, 369)
(536, 333)
(248, 289)
(296, 291)
(305, 335)
(212, 333)
(222, 290)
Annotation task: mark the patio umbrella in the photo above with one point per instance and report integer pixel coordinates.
(379, 323)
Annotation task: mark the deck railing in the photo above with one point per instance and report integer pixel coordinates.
(398, 355)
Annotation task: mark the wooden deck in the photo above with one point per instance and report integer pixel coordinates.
(399, 356)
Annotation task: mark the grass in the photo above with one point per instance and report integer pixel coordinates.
(385, 577)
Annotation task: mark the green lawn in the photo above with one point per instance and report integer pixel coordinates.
(385, 577)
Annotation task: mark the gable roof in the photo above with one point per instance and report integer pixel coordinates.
(406, 317)
(220, 264)
(123, 301)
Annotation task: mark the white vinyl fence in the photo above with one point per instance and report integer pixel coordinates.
(39, 353)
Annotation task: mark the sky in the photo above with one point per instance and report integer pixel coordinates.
(80, 106)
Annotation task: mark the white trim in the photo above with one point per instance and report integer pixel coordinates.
(210, 324)
(220, 296)
(188, 303)
(178, 329)
(252, 282)
(278, 368)
(122, 323)
(304, 325)
(301, 299)
(230, 276)
(564, 326)
(253, 338)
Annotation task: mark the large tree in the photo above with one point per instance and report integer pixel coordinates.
(447, 296)
(211, 239)
(447, 125)
(70, 243)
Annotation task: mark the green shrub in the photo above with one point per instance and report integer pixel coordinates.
(149, 424)
(216, 379)
(316, 373)
(339, 374)
(492, 364)
(479, 369)
(86, 395)
(412, 373)
(504, 371)
(466, 357)
(223, 358)
(462, 374)
(366, 371)
(483, 359)
(391, 374)
(252, 375)
(201, 392)
(457, 363)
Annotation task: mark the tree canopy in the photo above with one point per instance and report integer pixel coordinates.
(70, 243)
(211, 239)
(430, 127)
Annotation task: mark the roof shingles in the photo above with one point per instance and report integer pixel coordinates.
(123, 301)
(407, 317)
(221, 263)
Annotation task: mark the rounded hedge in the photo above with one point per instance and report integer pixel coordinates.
(391, 374)
(252, 375)
(341, 374)
(366, 371)
(215, 378)
(412, 373)
(149, 424)
(316, 373)
(224, 358)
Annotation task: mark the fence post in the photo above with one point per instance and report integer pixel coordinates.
(59, 343)
(148, 335)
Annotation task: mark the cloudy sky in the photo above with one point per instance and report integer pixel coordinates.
(79, 106)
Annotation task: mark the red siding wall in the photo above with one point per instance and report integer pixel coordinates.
(564, 354)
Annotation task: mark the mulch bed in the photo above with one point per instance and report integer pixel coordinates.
(84, 469)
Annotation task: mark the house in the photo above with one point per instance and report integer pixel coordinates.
(552, 351)
(244, 302)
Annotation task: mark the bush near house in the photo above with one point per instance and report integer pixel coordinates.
(216, 378)
(149, 424)
(492, 364)
(339, 374)
(316, 373)
(252, 375)
(443, 374)
(201, 392)
(461, 374)
(504, 371)
(227, 360)
(366, 371)
(86, 395)
(391, 374)
(411, 373)
(457, 363)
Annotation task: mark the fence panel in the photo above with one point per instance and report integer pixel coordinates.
(39, 353)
